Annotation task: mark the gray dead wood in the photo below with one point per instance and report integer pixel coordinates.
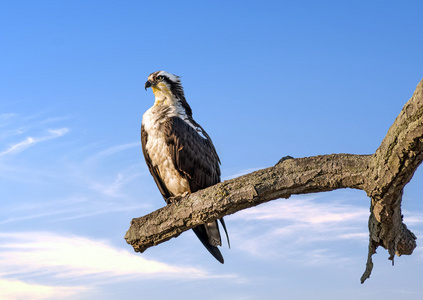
(381, 175)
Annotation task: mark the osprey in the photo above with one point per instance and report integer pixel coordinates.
(178, 151)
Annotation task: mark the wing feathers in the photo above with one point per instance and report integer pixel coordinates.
(193, 155)
(195, 158)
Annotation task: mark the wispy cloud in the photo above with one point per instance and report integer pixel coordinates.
(77, 265)
(19, 146)
(301, 226)
(413, 218)
(6, 117)
(31, 141)
(98, 175)
(54, 119)
(306, 210)
(57, 210)
(107, 185)
(113, 189)
(16, 289)
(29, 254)
(240, 173)
(114, 150)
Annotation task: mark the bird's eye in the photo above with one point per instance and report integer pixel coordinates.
(160, 77)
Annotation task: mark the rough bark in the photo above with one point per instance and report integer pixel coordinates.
(381, 175)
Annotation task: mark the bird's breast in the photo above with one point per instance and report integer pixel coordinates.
(158, 152)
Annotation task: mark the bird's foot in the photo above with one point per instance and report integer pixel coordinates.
(175, 199)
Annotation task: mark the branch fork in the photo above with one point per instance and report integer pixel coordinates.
(382, 175)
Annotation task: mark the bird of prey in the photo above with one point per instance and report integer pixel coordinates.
(178, 151)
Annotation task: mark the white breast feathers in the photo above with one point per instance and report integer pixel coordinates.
(158, 152)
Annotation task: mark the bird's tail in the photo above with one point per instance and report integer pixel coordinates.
(209, 235)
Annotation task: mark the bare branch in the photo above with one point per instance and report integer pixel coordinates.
(381, 175)
(294, 176)
(393, 166)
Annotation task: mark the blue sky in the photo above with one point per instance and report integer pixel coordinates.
(265, 79)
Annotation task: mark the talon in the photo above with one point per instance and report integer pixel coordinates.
(176, 199)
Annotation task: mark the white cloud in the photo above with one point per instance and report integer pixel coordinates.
(31, 141)
(68, 208)
(56, 133)
(302, 228)
(15, 290)
(19, 146)
(240, 173)
(6, 116)
(306, 210)
(412, 218)
(11, 132)
(45, 265)
(68, 257)
(113, 150)
(54, 119)
(113, 189)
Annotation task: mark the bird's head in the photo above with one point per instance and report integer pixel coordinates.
(168, 90)
(164, 85)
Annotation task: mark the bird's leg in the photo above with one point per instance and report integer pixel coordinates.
(176, 199)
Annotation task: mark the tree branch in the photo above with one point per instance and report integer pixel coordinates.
(294, 176)
(393, 166)
(381, 175)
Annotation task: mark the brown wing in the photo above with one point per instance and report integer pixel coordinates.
(193, 153)
(195, 157)
(153, 170)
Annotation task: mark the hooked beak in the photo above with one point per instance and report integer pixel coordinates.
(147, 85)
